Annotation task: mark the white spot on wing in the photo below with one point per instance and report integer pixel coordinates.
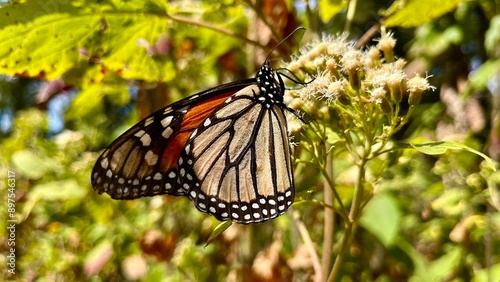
(166, 121)
(105, 163)
(151, 158)
(149, 121)
(139, 133)
(146, 139)
(167, 132)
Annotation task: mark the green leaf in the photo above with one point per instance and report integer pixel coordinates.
(381, 217)
(90, 99)
(492, 36)
(485, 73)
(58, 190)
(412, 13)
(52, 191)
(451, 203)
(329, 8)
(31, 165)
(485, 274)
(218, 230)
(439, 268)
(436, 270)
(83, 42)
(332, 137)
(440, 147)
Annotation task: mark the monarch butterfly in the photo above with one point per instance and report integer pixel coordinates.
(225, 148)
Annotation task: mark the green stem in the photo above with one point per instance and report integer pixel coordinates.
(353, 215)
(331, 184)
(358, 192)
(340, 256)
(329, 221)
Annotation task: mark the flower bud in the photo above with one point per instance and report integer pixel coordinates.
(372, 58)
(324, 113)
(416, 86)
(354, 80)
(343, 98)
(386, 44)
(385, 105)
(415, 97)
(396, 94)
(332, 67)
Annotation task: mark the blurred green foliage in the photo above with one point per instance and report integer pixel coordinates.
(429, 217)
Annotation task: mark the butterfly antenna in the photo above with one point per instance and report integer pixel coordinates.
(284, 39)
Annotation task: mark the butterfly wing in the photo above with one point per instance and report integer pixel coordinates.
(225, 148)
(236, 165)
(143, 161)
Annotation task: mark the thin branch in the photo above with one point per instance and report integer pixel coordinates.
(308, 242)
(331, 185)
(215, 28)
(329, 221)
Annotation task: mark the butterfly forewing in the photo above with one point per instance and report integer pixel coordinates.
(143, 161)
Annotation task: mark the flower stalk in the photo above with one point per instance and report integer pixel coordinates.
(356, 99)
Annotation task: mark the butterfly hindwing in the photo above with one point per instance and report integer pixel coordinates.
(236, 165)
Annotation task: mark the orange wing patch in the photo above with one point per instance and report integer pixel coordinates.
(191, 120)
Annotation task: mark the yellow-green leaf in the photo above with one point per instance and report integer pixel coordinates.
(411, 13)
(329, 8)
(90, 99)
(218, 230)
(440, 147)
(83, 42)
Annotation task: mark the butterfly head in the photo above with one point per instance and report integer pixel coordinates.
(271, 86)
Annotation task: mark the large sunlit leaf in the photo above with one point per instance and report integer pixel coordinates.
(83, 41)
(412, 13)
(382, 218)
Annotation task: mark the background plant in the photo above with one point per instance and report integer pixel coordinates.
(423, 216)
